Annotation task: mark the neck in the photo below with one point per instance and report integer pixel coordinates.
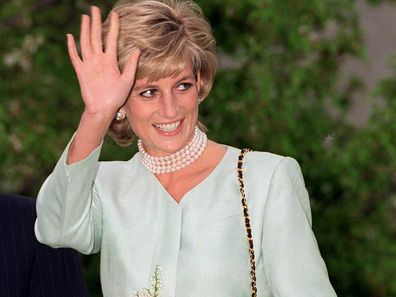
(177, 160)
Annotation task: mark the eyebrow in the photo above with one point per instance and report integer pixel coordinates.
(184, 78)
(152, 85)
(144, 86)
(187, 77)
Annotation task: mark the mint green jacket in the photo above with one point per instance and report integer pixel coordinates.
(123, 211)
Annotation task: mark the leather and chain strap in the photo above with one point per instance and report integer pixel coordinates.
(247, 222)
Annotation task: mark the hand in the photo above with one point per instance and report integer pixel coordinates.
(104, 88)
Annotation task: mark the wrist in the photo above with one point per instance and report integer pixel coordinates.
(98, 117)
(90, 133)
(94, 126)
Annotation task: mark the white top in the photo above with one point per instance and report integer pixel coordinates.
(123, 211)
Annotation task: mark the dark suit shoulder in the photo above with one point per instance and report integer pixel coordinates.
(27, 267)
(13, 206)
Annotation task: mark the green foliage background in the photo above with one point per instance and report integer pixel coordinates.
(274, 94)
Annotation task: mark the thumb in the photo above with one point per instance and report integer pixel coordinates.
(131, 66)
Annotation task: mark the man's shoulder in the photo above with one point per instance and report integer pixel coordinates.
(13, 207)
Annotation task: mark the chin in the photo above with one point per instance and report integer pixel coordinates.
(172, 148)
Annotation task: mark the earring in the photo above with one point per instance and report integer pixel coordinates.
(200, 100)
(120, 114)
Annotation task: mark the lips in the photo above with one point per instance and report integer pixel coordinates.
(168, 127)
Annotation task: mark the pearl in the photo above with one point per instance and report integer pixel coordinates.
(177, 160)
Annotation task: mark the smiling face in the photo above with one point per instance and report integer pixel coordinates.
(164, 113)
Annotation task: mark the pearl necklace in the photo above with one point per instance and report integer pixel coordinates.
(177, 160)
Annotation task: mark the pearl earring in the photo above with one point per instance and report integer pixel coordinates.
(120, 114)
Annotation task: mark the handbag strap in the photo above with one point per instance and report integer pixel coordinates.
(247, 222)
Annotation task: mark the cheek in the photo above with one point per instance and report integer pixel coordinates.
(191, 107)
(136, 114)
(192, 102)
(136, 110)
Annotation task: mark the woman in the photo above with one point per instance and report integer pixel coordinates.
(175, 204)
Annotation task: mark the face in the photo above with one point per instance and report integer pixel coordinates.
(164, 113)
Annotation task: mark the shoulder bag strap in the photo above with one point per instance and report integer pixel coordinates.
(247, 222)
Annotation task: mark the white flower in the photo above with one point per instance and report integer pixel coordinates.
(156, 285)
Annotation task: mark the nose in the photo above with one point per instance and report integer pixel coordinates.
(170, 106)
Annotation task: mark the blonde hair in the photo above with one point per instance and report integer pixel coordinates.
(169, 34)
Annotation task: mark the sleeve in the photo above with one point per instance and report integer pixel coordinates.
(293, 264)
(68, 207)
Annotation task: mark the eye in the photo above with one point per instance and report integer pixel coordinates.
(148, 93)
(184, 86)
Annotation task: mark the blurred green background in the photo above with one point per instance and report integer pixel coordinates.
(279, 89)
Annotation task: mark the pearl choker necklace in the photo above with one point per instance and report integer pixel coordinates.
(177, 160)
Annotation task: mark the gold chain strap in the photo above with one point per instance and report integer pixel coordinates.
(247, 222)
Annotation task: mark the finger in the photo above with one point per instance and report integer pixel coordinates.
(73, 53)
(96, 30)
(85, 40)
(112, 35)
(131, 67)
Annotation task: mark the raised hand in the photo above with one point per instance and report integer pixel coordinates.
(104, 88)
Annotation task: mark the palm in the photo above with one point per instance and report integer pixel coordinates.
(104, 88)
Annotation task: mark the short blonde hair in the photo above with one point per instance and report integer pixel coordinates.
(169, 34)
